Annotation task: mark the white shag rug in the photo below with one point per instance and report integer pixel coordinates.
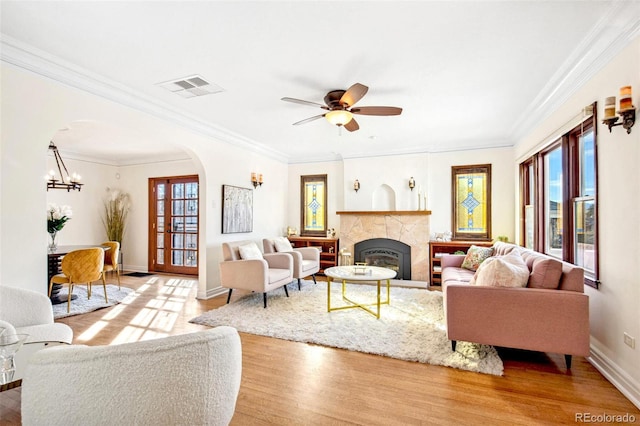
(82, 305)
(411, 328)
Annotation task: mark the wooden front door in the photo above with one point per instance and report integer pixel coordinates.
(173, 225)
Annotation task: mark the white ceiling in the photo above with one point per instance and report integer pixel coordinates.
(468, 74)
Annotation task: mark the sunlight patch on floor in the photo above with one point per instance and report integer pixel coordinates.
(92, 331)
(160, 314)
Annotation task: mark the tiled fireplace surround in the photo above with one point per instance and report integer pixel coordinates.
(410, 227)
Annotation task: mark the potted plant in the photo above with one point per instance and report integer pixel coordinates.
(116, 209)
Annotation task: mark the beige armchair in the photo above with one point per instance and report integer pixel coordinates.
(306, 260)
(245, 267)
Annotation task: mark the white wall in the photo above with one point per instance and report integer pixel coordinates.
(335, 191)
(35, 108)
(394, 171)
(503, 188)
(614, 308)
(85, 226)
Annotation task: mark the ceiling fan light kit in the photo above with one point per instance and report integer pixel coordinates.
(339, 103)
(339, 117)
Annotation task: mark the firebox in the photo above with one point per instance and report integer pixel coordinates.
(386, 253)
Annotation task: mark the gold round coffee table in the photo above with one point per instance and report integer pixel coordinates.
(359, 273)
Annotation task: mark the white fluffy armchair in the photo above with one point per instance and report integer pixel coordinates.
(189, 379)
(30, 312)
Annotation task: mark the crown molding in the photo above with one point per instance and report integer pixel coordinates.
(27, 57)
(613, 32)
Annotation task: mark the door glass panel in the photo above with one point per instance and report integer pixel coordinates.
(160, 192)
(177, 190)
(192, 258)
(177, 208)
(176, 257)
(160, 208)
(192, 207)
(160, 223)
(192, 190)
(177, 241)
(191, 240)
(177, 224)
(160, 257)
(191, 224)
(160, 240)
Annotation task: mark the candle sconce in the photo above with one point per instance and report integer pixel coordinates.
(628, 120)
(627, 111)
(256, 179)
(412, 183)
(356, 185)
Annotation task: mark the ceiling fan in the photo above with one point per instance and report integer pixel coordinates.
(340, 107)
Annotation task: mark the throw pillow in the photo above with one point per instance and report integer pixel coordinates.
(475, 256)
(502, 271)
(249, 251)
(282, 244)
(545, 273)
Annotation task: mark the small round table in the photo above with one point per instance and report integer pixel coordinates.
(359, 273)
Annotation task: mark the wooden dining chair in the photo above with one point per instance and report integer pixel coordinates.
(111, 259)
(80, 267)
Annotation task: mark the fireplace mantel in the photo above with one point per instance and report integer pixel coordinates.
(387, 212)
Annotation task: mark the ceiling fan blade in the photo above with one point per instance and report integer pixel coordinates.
(353, 94)
(307, 120)
(377, 110)
(300, 101)
(352, 126)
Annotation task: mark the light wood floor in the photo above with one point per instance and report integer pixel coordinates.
(296, 383)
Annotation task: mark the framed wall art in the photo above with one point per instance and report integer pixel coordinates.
(471, 202)
(237, 209)
(313, 205)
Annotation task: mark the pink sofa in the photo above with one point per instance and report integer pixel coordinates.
(553, 319)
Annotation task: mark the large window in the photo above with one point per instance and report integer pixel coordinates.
(559, 198)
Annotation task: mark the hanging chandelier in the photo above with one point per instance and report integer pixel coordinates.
(65, 180)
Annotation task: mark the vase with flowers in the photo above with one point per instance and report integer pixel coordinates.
(57, 217)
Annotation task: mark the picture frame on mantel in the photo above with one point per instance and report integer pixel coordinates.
(313, 205)
(471, 202)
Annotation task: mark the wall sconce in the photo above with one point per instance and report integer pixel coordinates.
(627, 111)
(256, 179)
(412, 183)
(356, 185)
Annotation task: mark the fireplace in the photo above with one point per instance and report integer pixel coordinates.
(386, 253)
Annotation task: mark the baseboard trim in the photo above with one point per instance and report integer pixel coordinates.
(617, 376)
(211, 293)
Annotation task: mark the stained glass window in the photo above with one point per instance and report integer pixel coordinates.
(471, 187)
(314, 205)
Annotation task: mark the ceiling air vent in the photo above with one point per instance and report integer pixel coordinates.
(189, 87)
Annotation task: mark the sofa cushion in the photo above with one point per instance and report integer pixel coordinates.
(545, 273)
(282, 244)
(475, 256)
(249, 251)
(502, 271)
